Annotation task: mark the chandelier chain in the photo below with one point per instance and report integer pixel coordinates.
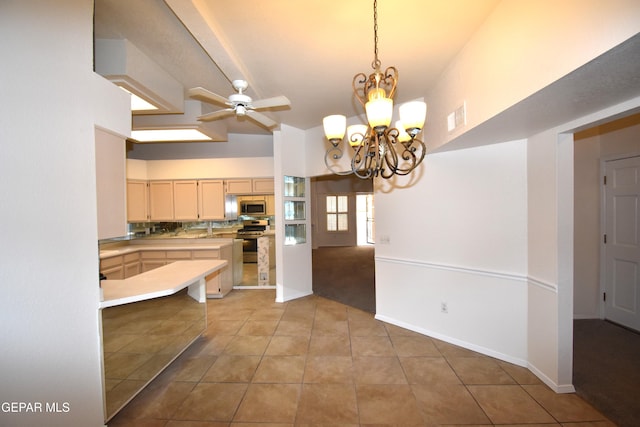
(376, 62)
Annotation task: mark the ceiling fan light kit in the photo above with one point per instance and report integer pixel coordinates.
(378, 149)
(239, 104)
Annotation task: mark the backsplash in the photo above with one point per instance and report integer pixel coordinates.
(200, 228)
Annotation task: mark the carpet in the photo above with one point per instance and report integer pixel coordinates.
(345, 274)
(606, 369)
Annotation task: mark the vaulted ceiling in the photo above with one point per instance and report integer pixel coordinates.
(308, 50)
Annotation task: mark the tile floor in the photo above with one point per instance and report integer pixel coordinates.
(314, 361)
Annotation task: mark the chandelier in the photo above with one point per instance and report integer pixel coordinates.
(378, 149)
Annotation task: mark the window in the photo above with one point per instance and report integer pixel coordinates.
(337, 213)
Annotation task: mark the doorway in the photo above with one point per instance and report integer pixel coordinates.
(343, 233)
(605, 369)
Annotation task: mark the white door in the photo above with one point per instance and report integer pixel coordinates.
(622, 248)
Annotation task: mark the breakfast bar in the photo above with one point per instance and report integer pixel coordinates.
(162, 281)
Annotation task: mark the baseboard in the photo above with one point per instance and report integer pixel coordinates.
(558, 388)
(454, 341)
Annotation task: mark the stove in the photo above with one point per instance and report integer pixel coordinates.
(252, 229)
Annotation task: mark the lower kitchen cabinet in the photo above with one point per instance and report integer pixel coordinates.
(131, 264)
(219, 283)
(112, 268)
(152, 259)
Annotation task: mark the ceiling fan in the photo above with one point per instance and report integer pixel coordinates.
(239, 104)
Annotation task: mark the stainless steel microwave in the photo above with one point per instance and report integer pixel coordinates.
(253, 207)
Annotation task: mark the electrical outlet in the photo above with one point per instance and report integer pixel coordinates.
(263, 276)
(443, 307)
(385, 239)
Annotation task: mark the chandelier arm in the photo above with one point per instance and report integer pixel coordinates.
(390, 156)
(335, 153)
(360, 88)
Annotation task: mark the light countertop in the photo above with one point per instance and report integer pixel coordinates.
(159, 282)
(161, 246)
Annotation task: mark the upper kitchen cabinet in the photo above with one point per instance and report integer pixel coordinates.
(263, 186)
(137, 201)
(161, 200)
(250, 186)
(211, 199)
(185, 200)
(239, 186)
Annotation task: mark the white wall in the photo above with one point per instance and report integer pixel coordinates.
(293, 275)
(521, 48)
(49, 254)
(458, 236)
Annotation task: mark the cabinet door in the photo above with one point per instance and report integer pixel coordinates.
(211, 199)
(263, 185)
(185, 200)
(161, 200)
(137, 201)
(152, 259)
(270, 199)
(239, 186)
(131, 269)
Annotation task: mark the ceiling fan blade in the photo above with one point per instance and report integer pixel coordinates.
(216, 115)
(276, 101)
(202, 94)
(262, 119)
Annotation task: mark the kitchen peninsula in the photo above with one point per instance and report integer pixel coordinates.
(124, 259)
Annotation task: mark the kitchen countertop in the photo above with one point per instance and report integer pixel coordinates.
(160, 282)
(165, 245)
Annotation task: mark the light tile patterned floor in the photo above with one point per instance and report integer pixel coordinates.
(314, 361)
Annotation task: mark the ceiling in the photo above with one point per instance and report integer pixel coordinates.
(308, 50)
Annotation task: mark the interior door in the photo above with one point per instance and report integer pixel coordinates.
(622, 248)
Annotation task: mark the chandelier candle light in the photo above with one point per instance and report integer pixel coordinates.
(378, 149)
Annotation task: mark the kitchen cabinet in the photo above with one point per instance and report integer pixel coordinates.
(137, 201)
(131, 265)
(250, 186)
(220, 283)
(270, 200)
(112, 268)
(161, 200)
(239, 186)
(185, 200)
(262, 186)
(152, 259)
(211, 199)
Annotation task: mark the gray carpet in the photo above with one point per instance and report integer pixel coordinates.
(345, 274)
(606, 369)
